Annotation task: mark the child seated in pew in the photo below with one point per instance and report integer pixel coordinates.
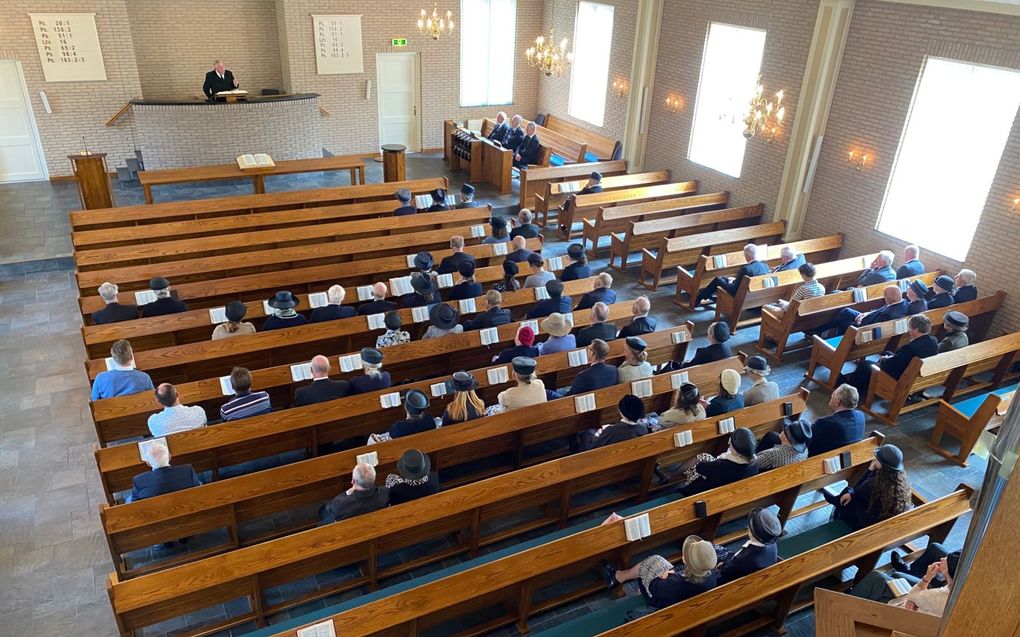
(882, 492)
(929, 578)
(808, 290)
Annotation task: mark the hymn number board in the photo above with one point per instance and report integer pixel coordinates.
(68, 46)
(337, 44)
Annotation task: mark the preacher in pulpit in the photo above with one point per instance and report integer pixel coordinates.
(218, 79)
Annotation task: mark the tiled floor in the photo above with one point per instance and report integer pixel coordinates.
(53, 559)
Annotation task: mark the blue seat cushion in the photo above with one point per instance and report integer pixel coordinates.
(556, 160)
(802, 542)
(589, 157)
(612, 616)
(971, 405)
(834, 341)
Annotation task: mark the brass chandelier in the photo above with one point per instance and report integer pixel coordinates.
(433, 25)
(764, 118)
(548, 56)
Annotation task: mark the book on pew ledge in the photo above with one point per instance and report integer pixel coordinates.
(258, 160)
(568, 187)
(423, 202)
(144, 297)
(145, 448)
(322, 629)
(317, 300)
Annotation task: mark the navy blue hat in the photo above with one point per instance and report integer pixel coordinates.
(890, 457)
(423, 260)
(721, 332)
(595, 176)
(798, 432)
(392, 320)
(497, 222)
(443, 316)
(416, 402)
(371, 356)
(404, 195)
(554, 287)
(235, 311)
(575, 251)
(743, 442)
(524, 365)
(764, 525)
(423, 284)
(463, 381)
(158, 283)
(467, 189)
(945, 282)
(636, 343)
(439, 195)
(918, 286)
(631, 407)
(413, 465)
(466, 269)
(956, 319)
(283, 300)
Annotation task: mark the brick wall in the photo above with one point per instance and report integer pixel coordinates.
(554, 93)
(79, 108)
(790, 24)
(354, 124)
(177, 42)
(884, 53)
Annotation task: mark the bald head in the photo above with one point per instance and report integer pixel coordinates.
(379, 291)
(519, 242)
(892, 294)
(641, 306)
(320, 367)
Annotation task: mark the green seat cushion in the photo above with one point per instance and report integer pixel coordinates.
(802, 542)
(612, 616)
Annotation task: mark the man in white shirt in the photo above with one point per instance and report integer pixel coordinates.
(175, 416)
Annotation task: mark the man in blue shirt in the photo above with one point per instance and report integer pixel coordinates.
(789, 259)
(912, 265)
(121, 378)
(880, 270)
(754, 267)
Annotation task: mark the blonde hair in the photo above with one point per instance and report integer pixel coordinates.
(457, 409)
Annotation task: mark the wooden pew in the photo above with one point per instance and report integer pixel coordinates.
(690, 282)
(600, 148)
(860, 342)
(801, 316)
(521, 582)
(149, 598)
(304, 428)
(684, 250)
(549, 199)
(127, 216)
(533, 180)
(756, 291)
(608, 221)
(950, 369)
(582, 205)
(316, 234)
(217, 288)
(968, 419)
(125, 416)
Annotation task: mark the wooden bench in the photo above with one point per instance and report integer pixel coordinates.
(534, 180)
(149, 598)
(558, 568)
(609, 221)
(859, 342)
(354, 164)
(208, 289)
(685, 250)
(968, 419)
(600, 147)
(127, 216)
(575, 209)
(555, 193)
(950, 369)
(690, 282)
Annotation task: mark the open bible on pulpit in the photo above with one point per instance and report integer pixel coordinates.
(258, 160)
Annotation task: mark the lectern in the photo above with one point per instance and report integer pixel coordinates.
(393, 162)
(93, 180)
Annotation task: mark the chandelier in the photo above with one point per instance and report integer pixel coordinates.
(764, 118)
(433, 25)
(549, 57)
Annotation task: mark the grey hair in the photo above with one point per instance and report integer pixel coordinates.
(847, 395)
(788, 251)
(600, 311)
(912, 249)
(335, 294)
(887, 256)
(108, 291)
(751, 250)
(157, 457)
(363, 476)
(525, 215)
(372, 370)
(969, 276)
(604, 279)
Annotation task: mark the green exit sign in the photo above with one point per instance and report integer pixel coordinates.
(399, 41)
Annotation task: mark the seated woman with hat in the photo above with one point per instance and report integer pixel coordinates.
(509, 282)
(235, 325)
(467, 197)
(763, 529)
(632, 413)
(393, 334)
(467, 287)
(579, 269)
(438, 201)
(374, 378)
(426, 291)
(560, 339)
(444, 319)
(663, 584)
(283, 304)
(499, 232)
(635, 365)
(466, 405)
(778, 450)
(717, 349)
(529, 389)
(729, 398)
(956, 324)
(416, 406)
(414, 478)
(762, 389)
(736, 463)
(882, 492)
(688, 406)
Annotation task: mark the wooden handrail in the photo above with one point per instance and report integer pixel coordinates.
(124, 109)
(324, 112)
(839, 615)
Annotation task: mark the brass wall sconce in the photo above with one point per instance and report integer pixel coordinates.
(674, 104)
(856, 160)
(620, 87)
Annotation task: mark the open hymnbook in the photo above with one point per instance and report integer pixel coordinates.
(258, 160)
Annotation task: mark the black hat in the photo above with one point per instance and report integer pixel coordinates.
(283, 300)
(423, 284)
(416, 402)
(743, 442)
(595, 176)
(404, 195)
(524, 365)
(235, 311)
(463, 381)
(957, 320)
(890, 457)
(575, 251)
(554, 287)
(413, 465)
(945, 282)
(439, 195)
(721, 332)
(690, 392)
(423, 260)
(919, 288)
(467, 189)
(466, 269)
(798, 432)
(636, 343)
(759, 365)
(371, 356)
(158, 283)
(510, 268)
(631, 407)
(497, 222)
(392, 320)
(764, 525)
(443, 316)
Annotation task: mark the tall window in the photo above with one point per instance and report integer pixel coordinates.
(958, 125)
(487, 36)
(593, 35)
(729, 77)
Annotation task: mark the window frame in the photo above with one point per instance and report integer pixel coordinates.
(488, 75)
(600, 120)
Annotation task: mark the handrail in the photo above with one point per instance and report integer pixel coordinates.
(119, 114)
(324, 112)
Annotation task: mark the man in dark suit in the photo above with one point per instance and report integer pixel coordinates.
(527, 151)
(500, 130)
(322, 387)
(555, 303)
(941, 294)
(218, 79)
(164, 303)
(843, 427)
(378, 304)
(763, 529)
(524, 227)
(632, 410)
(599, 375)
(922, 345)
(404, 196)
(493, 315)
(450, 264)
(789, 259)
(594, 184)
(600, 293)
(599, 328)
(718, 347)
(467, 197)
(518, 252)
(162, 478)
(966, 286)
(363, 497)
(641, 323)
(114, 312)
(334, 310)
(895, 307)
(754, 267)
(514, 135)
(912, 265)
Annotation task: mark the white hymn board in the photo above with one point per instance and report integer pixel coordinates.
(68, 46)
(337, 44)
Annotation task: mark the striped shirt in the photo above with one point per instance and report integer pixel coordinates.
(252, 403)
(809, 290)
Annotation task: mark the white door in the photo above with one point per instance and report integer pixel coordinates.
(398, 79)
(21, 157)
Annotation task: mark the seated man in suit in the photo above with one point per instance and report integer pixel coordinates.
(941, 294)
(880, 270)
(524, 227)
(599, 328)
(895, 307)
(404, 196)
(922, 345)
(162, 478)
(493, 315)
(754, 267)
(916, 293)
(114, 312)
(789, 259)
(218, 79)
(632, 410)
(450, 264)
(500, 130)
(322, 387)
(363, 497)
(514, 134)
(438, 201)
(527, 151)
(843, 427)
(641, 323)
(966, 286)
(378, 304)
(467, 197)
(519, 252)
(164, 303)
(599, 374)
(600, 293)
(334, 309)
(912, 265)
(594, 184)
(555, 303)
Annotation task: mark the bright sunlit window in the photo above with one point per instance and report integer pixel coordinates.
(958, 125)
(729, 77)
(487, 41)
(593, 33)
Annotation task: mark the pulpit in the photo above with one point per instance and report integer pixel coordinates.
(93, 179)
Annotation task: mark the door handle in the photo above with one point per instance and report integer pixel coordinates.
(415, 110)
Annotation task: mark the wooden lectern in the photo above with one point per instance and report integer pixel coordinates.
(393, 162)
(93, 180)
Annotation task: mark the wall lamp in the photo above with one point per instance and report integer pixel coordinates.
(856, 160)
(674, 104)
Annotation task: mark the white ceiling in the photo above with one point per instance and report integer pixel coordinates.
(1008, 7)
